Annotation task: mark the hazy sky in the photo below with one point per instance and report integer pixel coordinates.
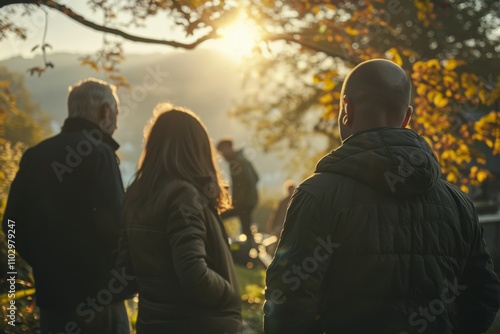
(67, 35)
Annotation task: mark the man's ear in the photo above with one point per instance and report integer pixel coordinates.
(409, 111)
(105, 111)
(105, 117)
(348, 111)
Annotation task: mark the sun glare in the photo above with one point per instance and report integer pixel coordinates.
(238, 39)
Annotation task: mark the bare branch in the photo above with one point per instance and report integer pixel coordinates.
(80, 19)
(289, 37)
(4, 3)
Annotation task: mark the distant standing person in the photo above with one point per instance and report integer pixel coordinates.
(244, 180)
(65, 205)
(175, 242)
(275, 223)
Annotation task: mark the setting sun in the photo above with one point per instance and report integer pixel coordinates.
(238, 39)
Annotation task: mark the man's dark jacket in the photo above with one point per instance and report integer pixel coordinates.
(376, 242)
(66, 204)
(244, 180)
(178, 250)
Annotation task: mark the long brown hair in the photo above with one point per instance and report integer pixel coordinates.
(177, 147)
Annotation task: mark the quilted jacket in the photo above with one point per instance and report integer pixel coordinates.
(377, 242)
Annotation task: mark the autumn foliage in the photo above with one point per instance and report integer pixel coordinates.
(450, 48)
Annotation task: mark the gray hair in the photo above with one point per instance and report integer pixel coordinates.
(87, 97)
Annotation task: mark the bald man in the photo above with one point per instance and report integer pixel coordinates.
(376, 241)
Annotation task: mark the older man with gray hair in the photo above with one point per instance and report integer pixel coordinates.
(65, 205)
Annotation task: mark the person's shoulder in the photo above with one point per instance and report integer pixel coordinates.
(180, 185)
(460, 198)
(319, 183)
(178, 190)
(238, 155)
(41, 148)
(102, 149)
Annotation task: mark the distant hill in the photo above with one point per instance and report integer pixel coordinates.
(202, 80)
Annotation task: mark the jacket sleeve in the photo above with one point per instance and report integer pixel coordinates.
(124, 266)
(186, 233)
(19, 208)
(109, 184)
(479, 301)
(294, 280)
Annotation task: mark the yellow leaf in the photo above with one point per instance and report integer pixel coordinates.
(481, 160)
(451, 64)
(421, 89)
(325, 99)
(431, 95)
(394, 56)
(419, 66)
(448, 79)
(329, 85)
(433, 63)
(471, 91)
(482, 175)
(451, 177)
(407, 52)
(464, 188)
(483, 96)
(351, 31)
(440, 101)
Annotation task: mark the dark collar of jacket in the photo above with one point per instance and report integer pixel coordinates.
(76, 124)
(396, 161)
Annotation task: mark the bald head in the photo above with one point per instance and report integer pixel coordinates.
(375, 94)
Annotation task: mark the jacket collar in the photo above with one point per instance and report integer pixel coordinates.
(77, 124)
(396, 161)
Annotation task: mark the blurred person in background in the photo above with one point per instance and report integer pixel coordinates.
(275, 223)
(244, 180)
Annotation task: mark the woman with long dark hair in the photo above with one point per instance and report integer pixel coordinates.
(174, 241)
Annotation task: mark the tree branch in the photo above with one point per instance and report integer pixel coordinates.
(80, 19)
(289, 37)
(4, 3)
